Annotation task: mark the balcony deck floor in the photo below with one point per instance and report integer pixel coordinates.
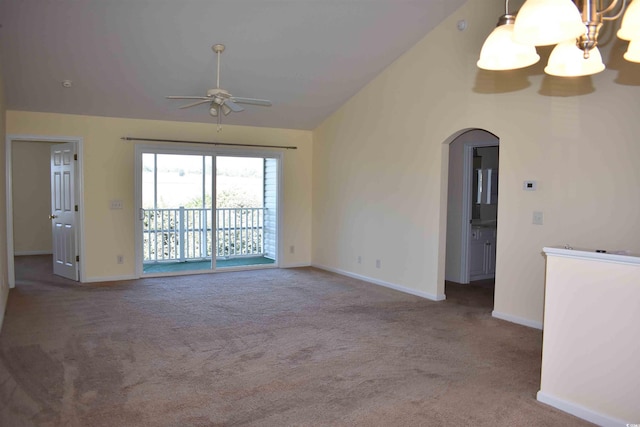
(170, 267)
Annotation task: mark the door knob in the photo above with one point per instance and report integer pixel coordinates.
(53, 216)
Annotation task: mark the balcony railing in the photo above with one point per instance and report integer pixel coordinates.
(185, 234)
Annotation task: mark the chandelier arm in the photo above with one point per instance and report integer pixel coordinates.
(610, 8)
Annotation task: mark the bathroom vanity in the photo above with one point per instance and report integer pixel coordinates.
(591, 341)
(482, 251)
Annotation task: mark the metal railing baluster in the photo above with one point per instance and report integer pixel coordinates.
(183, 234)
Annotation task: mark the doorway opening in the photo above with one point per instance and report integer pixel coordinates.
(472, 207)
(44, 182)
(202, 211)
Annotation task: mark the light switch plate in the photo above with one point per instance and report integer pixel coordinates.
(115, 204)
(538, 218)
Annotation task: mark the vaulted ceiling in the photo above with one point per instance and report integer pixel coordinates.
(124, 56)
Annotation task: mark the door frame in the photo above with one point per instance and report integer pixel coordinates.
(467, 188)
(193, 149)
(79, 195)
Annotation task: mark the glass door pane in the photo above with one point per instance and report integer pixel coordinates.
(177, 204)
(245, 211)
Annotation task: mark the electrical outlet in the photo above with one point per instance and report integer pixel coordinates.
(292, 249)
(120, 259)
(359, 259)
(378, 263)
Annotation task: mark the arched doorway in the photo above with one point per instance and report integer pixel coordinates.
(471, 209)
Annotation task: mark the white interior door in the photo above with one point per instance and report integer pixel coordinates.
(63, 210)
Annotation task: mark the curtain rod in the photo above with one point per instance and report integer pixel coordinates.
(129, 138)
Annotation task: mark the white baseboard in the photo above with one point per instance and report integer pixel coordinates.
(581, 411)
(406, 290)
(515, 319)
(299, 265)
(29, 253)
(109, 279)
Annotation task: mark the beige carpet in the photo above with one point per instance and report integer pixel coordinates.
(266, 348)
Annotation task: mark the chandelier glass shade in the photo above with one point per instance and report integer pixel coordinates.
(571, 25)
(630, 26)
(547, 22)
(633, 53)
(501, 52)
(567, 60)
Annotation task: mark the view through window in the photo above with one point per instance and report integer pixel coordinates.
(181, 229)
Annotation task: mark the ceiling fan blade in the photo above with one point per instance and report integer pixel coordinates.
(193, 104)
(251, 101)
(233, 106)
(188, 97)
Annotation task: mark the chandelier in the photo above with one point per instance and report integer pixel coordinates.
(573, 26)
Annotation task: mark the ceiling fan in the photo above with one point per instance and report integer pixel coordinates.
(220, 100)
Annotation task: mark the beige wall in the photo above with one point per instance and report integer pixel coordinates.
(4, 281)
(109, 175)
(31, 199)
(380, 164)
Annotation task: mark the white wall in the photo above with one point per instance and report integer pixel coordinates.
(380, 174)
(31, 182)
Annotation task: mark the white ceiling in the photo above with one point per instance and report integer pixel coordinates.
(124, 56)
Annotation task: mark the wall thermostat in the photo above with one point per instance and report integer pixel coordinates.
(529, 186)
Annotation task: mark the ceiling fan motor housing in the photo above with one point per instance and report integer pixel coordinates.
(217, 92)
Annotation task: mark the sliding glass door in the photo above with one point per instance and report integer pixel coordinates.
(182, 227)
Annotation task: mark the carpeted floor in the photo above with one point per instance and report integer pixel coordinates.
(275, 347)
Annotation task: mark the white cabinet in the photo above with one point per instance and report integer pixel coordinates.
(482, 251)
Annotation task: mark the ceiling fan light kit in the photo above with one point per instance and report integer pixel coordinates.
(220, 100)
(573, 26)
